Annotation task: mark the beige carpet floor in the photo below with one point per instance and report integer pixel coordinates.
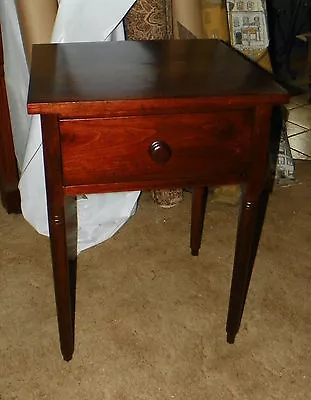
(151, 319)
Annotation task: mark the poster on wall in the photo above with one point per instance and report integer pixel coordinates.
(248, 24)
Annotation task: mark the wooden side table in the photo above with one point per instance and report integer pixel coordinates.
(151, 114)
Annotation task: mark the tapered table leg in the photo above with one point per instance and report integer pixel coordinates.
(64, 258)
(199, 198)
(62, 216)
(250, 224)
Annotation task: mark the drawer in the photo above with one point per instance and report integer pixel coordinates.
(157, 148)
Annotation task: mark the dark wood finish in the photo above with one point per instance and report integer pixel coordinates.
(62, 228)
(254, 203)
(141, 115)
(195, 142)
(199, 197)
(160, 152)
(143, 78)
(9, 176)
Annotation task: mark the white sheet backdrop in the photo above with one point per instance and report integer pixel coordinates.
(100, 215)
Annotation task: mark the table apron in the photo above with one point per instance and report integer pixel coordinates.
(164, 149)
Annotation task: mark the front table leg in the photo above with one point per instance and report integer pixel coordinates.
(250, 223)
(63, 241)
(253, 208)
(63, 235)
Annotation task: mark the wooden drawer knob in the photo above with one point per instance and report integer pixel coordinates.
(160, 152)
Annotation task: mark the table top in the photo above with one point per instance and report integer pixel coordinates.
(169, 71)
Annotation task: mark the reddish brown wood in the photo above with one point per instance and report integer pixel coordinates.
(144, 77)
(9, 176)
(149, 184)
(141, 115)
(254, 203)
(196, 142)
(63, 234)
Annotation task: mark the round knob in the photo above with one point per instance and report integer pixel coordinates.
(160, 152)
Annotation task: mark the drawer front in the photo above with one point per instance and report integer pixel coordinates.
(159, 148)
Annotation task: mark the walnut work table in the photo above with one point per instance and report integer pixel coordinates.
(138, 115)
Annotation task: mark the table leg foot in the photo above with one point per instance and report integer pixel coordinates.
(67, 356)
(230, 338)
